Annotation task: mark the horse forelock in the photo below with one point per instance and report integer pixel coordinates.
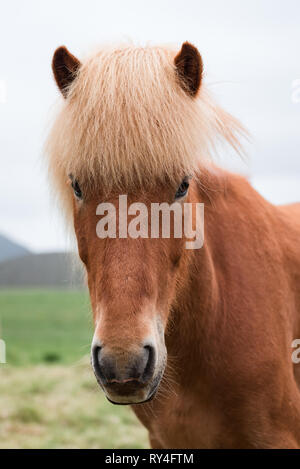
(127, 122)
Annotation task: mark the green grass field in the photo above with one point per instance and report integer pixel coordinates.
(49, 397)
(45, 326)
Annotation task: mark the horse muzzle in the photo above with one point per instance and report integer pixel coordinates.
(126, 377)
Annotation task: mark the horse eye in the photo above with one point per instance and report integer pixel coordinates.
(76, 188)
(182, 189)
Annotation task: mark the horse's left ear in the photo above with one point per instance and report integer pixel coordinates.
(64, 66)
(189, 66)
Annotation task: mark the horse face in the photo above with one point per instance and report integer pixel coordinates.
(131, 278)
(132, 285)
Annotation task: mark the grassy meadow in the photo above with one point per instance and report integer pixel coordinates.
(49, 397)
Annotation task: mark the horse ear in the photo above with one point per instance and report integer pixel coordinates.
(64, 66)
(189, 66)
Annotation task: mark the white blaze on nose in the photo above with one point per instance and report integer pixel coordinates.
(96, 341)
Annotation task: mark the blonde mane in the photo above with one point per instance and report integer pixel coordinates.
(127, 122)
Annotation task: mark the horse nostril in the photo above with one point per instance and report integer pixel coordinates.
(104, 365)
(149, 351)
(96, 360)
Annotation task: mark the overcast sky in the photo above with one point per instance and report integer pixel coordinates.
(251, 52)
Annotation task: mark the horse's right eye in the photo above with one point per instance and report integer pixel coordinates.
(182, 189)
(76, 189)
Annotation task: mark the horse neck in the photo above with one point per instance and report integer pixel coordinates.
(195, 317)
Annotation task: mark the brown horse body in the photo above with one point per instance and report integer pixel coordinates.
(233, 324)
(198, 341)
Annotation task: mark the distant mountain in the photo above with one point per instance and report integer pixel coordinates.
(9, 249)
(41, 270)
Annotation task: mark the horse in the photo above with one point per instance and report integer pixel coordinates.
(197, 341)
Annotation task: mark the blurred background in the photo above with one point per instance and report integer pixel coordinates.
(251, 53)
